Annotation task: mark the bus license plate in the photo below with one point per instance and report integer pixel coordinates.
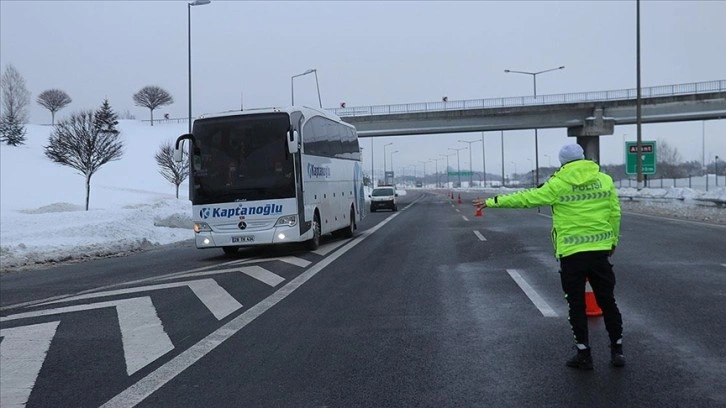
(244, 238)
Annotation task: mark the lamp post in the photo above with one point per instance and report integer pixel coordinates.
(392, 171)
(447, 167)
(423, 179)
(715, 169)
(471, 172)
(189, 35)
(292, 88)
(534, 79)
(385, 177)
(502, 138)
(458, 167)
(483, 160)
(436, 161)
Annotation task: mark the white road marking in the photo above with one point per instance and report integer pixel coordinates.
(457, 210)
(255, 271)
(22, 353)
(142, 334)
(167, 372)
(724, 265)
(464, 217)
(214, 297)
(543, 307)
(480, 236)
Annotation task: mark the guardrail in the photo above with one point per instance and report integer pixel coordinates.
(614, 95)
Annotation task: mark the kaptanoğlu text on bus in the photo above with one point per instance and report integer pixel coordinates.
(273, 176)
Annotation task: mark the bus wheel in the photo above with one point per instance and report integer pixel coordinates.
(314, 242)
(230, 250)
(348, 232)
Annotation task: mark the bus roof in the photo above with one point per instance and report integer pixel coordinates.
(306, 111)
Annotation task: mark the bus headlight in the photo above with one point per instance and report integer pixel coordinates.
(286, 221)
(201, 227)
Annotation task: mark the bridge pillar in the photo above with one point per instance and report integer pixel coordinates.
(591, 146)
(588, 134)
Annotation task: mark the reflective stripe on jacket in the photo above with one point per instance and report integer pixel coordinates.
(585, 207)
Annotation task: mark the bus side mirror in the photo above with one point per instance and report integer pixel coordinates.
(179, 146)
(293, 141)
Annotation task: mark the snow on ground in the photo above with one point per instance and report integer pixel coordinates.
(132, 207)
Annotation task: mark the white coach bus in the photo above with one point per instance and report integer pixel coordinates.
(273, 176)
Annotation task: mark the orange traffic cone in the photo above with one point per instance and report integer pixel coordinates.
(459, 200)
(478, 212)
(591, 307)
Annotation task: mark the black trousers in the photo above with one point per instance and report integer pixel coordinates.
(595, 266)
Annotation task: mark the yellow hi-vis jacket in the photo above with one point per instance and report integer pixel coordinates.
(585, 207)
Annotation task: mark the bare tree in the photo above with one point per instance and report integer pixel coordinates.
(15, 100)
(175, 172)
(668, 160)
(77, 143)
(53, 100)
(152, 97)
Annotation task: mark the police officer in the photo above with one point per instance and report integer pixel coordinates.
(585, 229)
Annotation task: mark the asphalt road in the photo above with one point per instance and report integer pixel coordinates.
(429, 306)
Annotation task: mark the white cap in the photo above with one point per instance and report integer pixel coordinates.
(571, 152)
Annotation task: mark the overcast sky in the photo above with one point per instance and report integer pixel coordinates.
(372, 53)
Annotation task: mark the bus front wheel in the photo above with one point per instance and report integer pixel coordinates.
(314, 242)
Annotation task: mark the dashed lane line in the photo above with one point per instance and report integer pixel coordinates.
(480, 236)
(540, 303)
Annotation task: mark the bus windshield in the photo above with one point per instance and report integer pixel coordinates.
(242, 158)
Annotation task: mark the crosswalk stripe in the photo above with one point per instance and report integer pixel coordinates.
(22, 353)
(480, 236)
(142, 334)
(214, 297)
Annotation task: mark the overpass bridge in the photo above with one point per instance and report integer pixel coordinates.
(586, 115)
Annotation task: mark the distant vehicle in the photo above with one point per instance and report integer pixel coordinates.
(384, 197)
(273, 176)
(419, 184)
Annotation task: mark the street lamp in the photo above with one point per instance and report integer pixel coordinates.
(189, 35)
(447, 167)
(436, 161)
(423, 179)
(534, 79)
(471, 172)
(502, 138)
(385, 177)
(292, 88)
(715, 169)
(458, 167)
(392, 171)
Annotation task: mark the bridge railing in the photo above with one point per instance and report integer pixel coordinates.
(594, 96)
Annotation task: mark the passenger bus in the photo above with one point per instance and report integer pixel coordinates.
(273, 176)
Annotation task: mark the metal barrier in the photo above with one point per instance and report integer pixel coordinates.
(594, 96)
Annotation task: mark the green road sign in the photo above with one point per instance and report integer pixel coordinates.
(631, 157)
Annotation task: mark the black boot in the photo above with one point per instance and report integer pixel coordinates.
(582, 360)
(616, 354)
